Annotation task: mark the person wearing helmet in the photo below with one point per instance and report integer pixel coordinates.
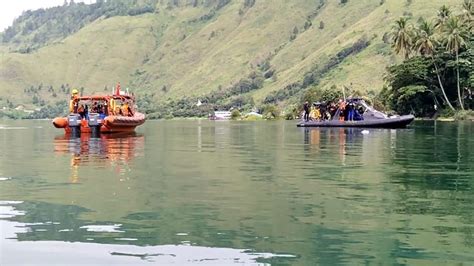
(73, 103)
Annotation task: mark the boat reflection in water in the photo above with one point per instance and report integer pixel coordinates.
(348, 146)
(109, 150)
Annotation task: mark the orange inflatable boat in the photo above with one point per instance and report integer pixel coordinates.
(101, 114)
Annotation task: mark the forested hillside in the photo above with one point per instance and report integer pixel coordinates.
(34, 29)
(224, 53)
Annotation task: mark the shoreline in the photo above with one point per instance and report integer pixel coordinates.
(440, 119)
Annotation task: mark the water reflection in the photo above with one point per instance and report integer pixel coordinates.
(38, 234)
(111, 150)
(335, 144)
(328, 196)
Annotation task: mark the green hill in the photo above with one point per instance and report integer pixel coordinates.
(245, 52)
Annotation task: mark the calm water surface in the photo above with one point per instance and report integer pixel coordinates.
(202, 192)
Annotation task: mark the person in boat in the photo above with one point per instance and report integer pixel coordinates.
(95, 107)
(342, 108)
(332, 109)
(86, 111)
(124, 109)
(111, 107)
(323, 108)
(306, 111)
(102, 111)
(315, 113)
(350, 111)
(73, 103)
(130, 109)
(358, 113)
(81, 111)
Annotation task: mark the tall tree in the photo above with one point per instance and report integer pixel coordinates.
(455, 37)
(402, 33)
(425, 43)
(442, 17)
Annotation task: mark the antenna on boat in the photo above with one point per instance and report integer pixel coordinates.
(344, 92)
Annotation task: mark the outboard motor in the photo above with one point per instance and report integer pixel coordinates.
(94, 124)
(74, 122)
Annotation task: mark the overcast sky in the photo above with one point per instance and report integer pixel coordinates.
(11, 9)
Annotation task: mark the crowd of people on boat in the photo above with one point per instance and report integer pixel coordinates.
(342, 110)
(103, 107)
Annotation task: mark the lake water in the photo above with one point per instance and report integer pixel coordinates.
(220, 193)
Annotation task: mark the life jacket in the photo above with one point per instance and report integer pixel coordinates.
(73, 104)
(125, 110)
(342, 106)
(112, 106)
(315, 114)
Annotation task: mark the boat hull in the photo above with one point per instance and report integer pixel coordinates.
(111, 124)
(395, 122)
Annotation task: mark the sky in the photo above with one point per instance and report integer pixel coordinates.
(11, 9)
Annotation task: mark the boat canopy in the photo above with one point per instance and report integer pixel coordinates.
(104, 98)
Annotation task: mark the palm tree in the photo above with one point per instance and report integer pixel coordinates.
(443, 15)
(455, 39)
(425, 40)
(402, 36)
(468, 13)
(425, 43)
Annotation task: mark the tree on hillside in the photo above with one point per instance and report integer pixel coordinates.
(402, 36)
(425, 43)
(442, 17)
(442, 51)
(455, 39)
(468, 13)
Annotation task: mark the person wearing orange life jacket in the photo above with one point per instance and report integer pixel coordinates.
(124, 109)
(130, 110)
(73, 103)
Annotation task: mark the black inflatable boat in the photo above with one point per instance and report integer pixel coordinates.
(369, 118)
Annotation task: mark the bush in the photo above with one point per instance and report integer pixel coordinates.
(290, 112)
(235, 114)
(464, 115)
(270, 111)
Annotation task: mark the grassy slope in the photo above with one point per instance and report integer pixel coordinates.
(366, 71)
(168, 49)
(96, 56)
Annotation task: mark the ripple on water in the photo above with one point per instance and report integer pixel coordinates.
(114, 228)
(11, 128)
(9, 211)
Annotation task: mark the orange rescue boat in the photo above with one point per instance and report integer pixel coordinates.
(108, 114)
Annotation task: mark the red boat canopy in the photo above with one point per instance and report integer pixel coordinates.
(104, 97)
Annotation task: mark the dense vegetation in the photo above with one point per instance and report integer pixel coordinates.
(438, 70)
